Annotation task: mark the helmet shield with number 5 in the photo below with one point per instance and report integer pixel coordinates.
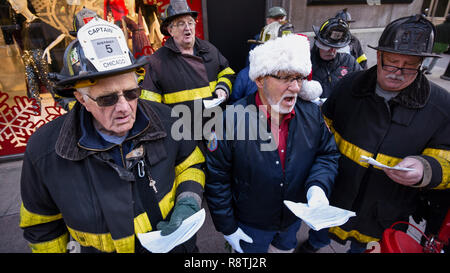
(99, 51)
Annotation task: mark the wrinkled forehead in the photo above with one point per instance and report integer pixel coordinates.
(185, 18)
(115, 83)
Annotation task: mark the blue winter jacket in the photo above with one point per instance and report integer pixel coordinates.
(248, 185)
(242, 86)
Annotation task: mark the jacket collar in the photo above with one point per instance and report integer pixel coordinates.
(414, 96)
(77, 140)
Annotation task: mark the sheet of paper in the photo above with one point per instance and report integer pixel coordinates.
(319, 217)
(154, 242)
(213, 103)
(378, 164)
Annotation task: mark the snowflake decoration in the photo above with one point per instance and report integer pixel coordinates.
(19, 122)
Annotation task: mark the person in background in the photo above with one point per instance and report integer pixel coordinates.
(329, 63)
(186, 70)
(355, 47)
(441, 45)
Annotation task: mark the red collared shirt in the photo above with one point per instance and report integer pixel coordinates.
(283, 131)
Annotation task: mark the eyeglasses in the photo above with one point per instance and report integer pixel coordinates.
(182, 24)
(288, 79)
(393, 69)
(112, 99)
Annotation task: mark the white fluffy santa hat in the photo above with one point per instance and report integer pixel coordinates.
(287, 53)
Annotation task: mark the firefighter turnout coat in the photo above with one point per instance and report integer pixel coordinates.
(70, 187)
(414, 123)
(175, 78)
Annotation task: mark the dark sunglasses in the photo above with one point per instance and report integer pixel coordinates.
(110, 100)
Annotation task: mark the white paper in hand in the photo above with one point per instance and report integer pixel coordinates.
(213, 103)
(381, 165)
(156, 243)
(319, 217)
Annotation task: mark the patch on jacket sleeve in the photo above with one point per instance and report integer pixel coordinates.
(212, 142)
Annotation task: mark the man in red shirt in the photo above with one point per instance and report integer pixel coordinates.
(294, 157)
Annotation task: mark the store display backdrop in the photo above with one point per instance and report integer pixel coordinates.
(19, 121)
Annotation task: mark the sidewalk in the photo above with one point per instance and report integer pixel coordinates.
(208, 239)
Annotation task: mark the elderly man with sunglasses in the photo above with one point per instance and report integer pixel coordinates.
(109, 169)
(395, 115)
(294, 158)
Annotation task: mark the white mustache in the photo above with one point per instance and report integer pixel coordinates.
(395, 77)
(277, 106)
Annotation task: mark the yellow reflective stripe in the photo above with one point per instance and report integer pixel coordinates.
(187, 95)
(142, 223)
(28, 218)
(437, 152)
(150, 95)
(71, 104)
(329, 123)
(212, 86)
(351, 151)
(125, 245)
(443, 157)
(227, 82)
(166, 204)
(103, 241)
(195, 157)
(140, 79)
(361, 58)
(191, 174)
(324, 24)
(387, 160)
(226, 71)
(85, 83)
(343, 235)
(58, 245)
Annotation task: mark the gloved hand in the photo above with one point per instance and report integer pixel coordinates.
(234, 238)
(184, 208)
(316, 197)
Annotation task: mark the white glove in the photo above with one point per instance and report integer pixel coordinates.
(233, 239)
(316, 197)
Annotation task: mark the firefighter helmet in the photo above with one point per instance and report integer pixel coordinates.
(99, 51)
(344, 15)
(81, 18)
(273, 30)
(333, 33)
(175, 9)
(274, 12)
(412, 35)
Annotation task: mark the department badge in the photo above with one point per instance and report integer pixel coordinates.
(73, 56)
(212, 142)
(344, 71)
